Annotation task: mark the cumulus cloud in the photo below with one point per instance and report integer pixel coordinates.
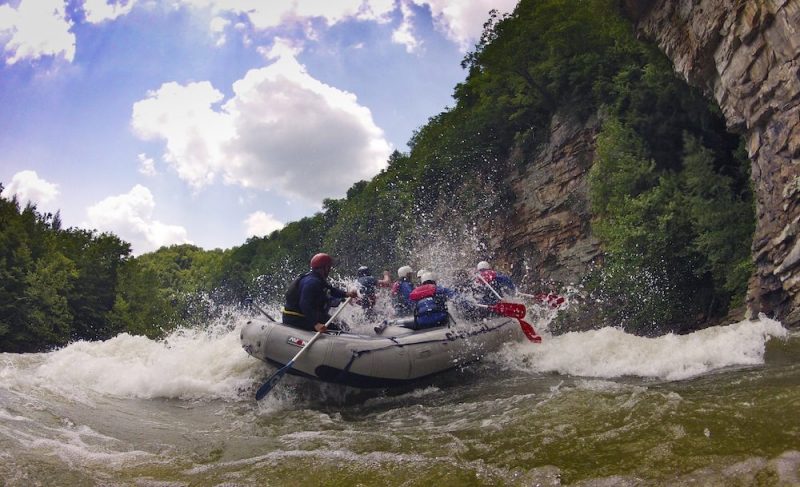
(34, 29)
(28, 186)
(147, 165)
(462, 21)
(101, 10)
(282, 130)
(259, 224)
(404, 34)
(195, 133)
(130, 216)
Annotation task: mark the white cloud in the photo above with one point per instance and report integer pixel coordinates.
(147, 165)
(101, 10)
(218, 26)
(282, 130)
(195, 133)
(269, 14)
(404, 34)
(36, 28)
(259, 224)
(130, 216)
(28, 186)
(462, 21)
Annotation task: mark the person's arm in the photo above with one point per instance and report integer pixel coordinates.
(342, 294)
(508, 284)
(447, 292)
(386, 281)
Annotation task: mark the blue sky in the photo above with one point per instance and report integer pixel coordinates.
(209, 121)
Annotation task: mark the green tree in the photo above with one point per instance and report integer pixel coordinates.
(48, 318)
(97, 258)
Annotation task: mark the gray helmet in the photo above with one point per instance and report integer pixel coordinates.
(404, 271)
(428, 276)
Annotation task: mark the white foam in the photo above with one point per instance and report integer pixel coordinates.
(610, 352)
(188, 364)
(82, 446)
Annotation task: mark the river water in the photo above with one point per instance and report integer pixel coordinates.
(720, 406)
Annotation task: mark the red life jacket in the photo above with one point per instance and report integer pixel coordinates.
(488, 275)
(422, 292)
(396, 287)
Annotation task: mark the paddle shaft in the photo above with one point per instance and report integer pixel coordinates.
(262, 311)
(553, 300)
(489, 285)
(264, 389)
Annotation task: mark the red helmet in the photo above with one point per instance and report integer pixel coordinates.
(320, 261)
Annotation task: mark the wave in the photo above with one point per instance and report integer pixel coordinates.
(610, 352)
(187, 364)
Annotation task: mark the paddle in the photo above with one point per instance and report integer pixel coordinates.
(251, 303)
(527, 328)
(512, 310)
(277, 376)
(529, 332)
(552, 300)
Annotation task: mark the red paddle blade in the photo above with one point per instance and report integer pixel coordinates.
(552, 300)
(529, 332)
(512, 310)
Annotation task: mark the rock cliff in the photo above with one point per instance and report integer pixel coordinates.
(546, 237)
(745, 54)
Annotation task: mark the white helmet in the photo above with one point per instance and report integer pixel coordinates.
(483, 265)
(421, 272)
(404, 271)
(428, 276)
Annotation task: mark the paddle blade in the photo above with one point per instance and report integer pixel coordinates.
(512, 310)
(270, 383)
(552, 300)
(529, 332)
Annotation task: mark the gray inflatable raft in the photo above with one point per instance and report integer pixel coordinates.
(397, 356)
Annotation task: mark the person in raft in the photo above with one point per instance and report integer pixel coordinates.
(400, 291)
(367, 287)
(310, 296)
(499, 282)
(430, 303)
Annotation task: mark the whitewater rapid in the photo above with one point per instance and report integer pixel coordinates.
(210, 363)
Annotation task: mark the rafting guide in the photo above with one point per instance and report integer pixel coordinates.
(310, 296)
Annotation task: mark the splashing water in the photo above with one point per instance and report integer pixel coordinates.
(610, 352)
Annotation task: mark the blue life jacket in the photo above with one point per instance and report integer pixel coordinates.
(430, 305)
(400, 297)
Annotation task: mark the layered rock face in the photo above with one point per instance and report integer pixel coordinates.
(746, 55)
(546, 238)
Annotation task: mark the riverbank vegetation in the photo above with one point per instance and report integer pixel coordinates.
(670, 196)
